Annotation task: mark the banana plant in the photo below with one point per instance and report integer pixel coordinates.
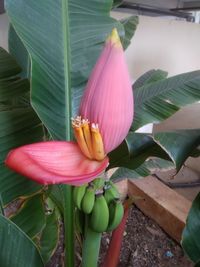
(190, 236)
(68, 77)
(57, 162)
(63, 45)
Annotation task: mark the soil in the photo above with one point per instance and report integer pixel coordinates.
(145, 244)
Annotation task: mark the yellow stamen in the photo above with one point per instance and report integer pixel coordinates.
(87, 135)
(97, 143)
(79, 135)
(114, 38)
(88, 138)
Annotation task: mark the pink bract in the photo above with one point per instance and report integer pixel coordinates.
(54, 162)
(108, 98)
(108, 102)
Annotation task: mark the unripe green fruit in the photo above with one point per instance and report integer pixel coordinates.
(116, 212)
(78, 193)
(98, 183)
(100, 215)
(88, 200)
(110, 192)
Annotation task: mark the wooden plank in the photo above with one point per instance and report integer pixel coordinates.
(165, 206)
(122, 187)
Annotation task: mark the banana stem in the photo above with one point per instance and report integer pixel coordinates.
(69, 226)
(91, 246)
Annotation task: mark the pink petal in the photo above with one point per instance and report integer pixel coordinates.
(108, 98)
(54, 162)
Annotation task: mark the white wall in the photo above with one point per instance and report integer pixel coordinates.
(166, 44)
(3, 31)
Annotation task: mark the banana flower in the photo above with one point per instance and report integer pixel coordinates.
(105, 116)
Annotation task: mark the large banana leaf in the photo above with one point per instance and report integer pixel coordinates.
(9, 66)
(31, 216)
(19, 125)
(149, 77)
(175, 146)
(145, 169)
(179, 145)
(64, 39)
(191, 234)
(19, 52)
(134, 151)
(157, 98)
(130, 26)
(49, 237)
(17, 250)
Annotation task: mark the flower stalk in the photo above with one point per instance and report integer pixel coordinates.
(91, 246)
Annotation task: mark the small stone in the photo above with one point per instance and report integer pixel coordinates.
(169, 254)
(125, 233)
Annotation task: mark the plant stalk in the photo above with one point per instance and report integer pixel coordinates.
(91, 247)
(68, 226)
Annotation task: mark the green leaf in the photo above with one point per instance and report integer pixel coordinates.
(157, 164)
(196, 152)
(172, 146)
(178, 144)
(156, 101)
(19, 52)
(134, 151)
(9, 66)
(56, 194)
(150, 76)
(130, 26)
(49, 237)
(13, 88)
(122, 173)
(117, 3)
(191, 233)
(31, 216)
(17, 249)
(74, 32)
(11, 85)
(145, 169)
(19, 125)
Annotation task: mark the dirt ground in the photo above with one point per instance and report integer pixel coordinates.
(144, 245)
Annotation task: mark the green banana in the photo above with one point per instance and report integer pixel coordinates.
(98, 183)
(116, 212)
(100, 215)
(88, 200)
(78, 194)
(110, 192)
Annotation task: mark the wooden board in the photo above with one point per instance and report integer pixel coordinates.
(122, 187)
(168, 208)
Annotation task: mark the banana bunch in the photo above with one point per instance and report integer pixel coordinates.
(99, 200)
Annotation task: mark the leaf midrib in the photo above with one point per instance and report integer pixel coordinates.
(67, 67)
